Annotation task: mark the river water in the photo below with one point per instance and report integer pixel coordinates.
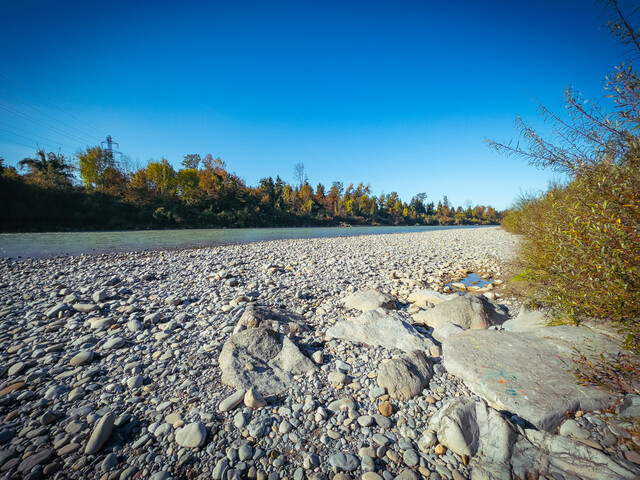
(44, 245)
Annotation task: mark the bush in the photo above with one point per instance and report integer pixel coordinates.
(581, 241)
(581, 246)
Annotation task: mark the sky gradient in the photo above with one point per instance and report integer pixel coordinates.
(397, 94)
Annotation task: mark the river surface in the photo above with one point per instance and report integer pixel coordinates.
(44, 245)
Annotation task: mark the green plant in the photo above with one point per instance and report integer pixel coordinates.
(581, 240)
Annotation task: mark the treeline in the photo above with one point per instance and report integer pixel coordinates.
(93, 191)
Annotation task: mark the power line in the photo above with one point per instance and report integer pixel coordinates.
(47, 143)
(42, 124)
(51, 105)
(53, 142)
(45, 114)
(31, 146)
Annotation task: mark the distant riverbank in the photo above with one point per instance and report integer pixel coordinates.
(50, 244)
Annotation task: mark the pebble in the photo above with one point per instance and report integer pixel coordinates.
(386, 409)
(147, 355)
(100, 434)
(232, 401)
(192, 435)
(254, 399)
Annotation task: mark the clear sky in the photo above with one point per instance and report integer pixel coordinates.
(399, 94)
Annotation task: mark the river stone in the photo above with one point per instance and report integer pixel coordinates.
(101, 323)
(55, 310)
(366, 300)
(113, 343)
(380, 328)
(344, 461)
(273, 358)
(523, 373)
(232, 401)
(85, 307)
(82, 358)
(101, 434)
(425, 296)
(192, 435)
(630, 406)
(405, 378)
(467, 311)
(37, 458)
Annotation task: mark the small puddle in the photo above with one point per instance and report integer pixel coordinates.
(471, 280)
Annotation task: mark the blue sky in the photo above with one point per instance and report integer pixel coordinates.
(398, 94)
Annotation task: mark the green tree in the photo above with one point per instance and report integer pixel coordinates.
(98, 170)
(191, 161)
(48, 170)
(162, 177)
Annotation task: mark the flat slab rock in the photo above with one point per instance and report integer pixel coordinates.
(528, 374)
(380, 328)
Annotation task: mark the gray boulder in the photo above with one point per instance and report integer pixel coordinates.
(497, 451)
(405, 378)
(380, 328)
(262, 359)
(547, 454)
(467, 311)
(366, 300)
(469, 427)
(523, 373)
(256, 316)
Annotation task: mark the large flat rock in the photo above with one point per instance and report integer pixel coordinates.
(381, 328)
(529, 373)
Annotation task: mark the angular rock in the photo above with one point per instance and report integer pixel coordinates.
(406, 377)
(257, 316)
(380, 328)
(467, 311)
(522, 373)
(253, 399)
(101, 433)
(367, 300)
(630, 406)
(273, 358)
(558, 455)
(466, 426)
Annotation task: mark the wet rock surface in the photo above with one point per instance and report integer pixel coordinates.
(222, 363)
